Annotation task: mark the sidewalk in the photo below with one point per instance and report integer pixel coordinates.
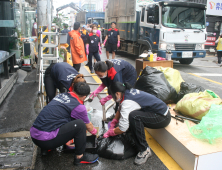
(17, 115)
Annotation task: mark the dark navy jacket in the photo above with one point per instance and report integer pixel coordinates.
(113, 36)
(93, 41)
(122, 71)
(57, 112)
(84, 37)
(64, 73)
(147, 102)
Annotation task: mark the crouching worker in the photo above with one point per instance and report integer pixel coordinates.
(60, 76)
(63, 119)
(137, 110)
(112, 71)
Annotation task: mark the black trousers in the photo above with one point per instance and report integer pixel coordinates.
(77, 66)
(75, 129)
(97, 57)
(139, 119)
(219, 55)
(50, 87)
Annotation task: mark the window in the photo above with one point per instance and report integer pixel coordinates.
(183, 17)
(156, 14)
(153, 15)
(142, 15)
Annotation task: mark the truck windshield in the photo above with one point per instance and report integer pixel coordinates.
(100, 21)
(183, 17)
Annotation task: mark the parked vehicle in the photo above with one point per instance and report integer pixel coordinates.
(85, 17)
(160, 26)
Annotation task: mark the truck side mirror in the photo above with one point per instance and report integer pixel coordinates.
(150, 11)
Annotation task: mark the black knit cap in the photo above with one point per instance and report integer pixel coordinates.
(76, 25)
(113, 23)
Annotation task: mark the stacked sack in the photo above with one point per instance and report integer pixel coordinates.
(197, 105)
(167, 84)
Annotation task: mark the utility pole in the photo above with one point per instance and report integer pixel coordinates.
(42, 19)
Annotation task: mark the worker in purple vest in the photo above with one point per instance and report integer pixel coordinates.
(137, 110)
(63, 119)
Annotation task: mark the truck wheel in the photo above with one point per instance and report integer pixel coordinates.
(144, 49)
(186, 61)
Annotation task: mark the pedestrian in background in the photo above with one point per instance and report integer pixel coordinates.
(89, 29)
(66, 30)
(34, 28)
(84, 35)
(93, 47)
(219, 49)
(77, 47)
(113, 40)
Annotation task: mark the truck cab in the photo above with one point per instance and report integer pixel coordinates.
(178, 27)
(100, 21)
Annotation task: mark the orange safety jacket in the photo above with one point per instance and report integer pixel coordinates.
(77, 47)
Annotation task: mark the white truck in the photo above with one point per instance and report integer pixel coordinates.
(160, 26)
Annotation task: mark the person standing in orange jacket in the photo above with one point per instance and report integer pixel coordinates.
(77, 47)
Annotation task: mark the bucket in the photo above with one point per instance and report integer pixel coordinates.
(168, 56)
(26, 61)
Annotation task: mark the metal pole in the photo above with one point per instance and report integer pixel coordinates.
(52, 9)
(41, 12)
(49, 21)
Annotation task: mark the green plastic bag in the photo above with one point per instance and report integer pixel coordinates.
(197, 105)
(173, 77)
(210, 127)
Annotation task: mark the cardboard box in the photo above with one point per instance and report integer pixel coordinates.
(189, 152)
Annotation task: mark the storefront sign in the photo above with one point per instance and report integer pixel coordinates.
(210, 43)
(211, 38)
(105, 2)
(214, 7)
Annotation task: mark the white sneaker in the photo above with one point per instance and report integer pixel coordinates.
(142, 157)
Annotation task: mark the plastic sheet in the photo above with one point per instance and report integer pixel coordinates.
(197, 105)
(173, 77)
(154, 82)
(210, 127)
(118, 147)
(186, 88)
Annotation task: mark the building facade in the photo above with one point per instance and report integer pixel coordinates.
(93, 5)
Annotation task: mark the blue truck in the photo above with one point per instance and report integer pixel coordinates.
(90, 17)
(161, 26)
